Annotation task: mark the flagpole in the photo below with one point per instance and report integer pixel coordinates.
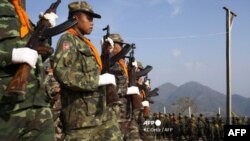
(164, 110)
(189, 111)
(229, 21)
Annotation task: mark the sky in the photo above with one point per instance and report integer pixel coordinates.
(184, 40)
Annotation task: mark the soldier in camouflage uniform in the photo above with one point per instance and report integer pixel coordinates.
(134, 132)
(78, 66)
(119, 69)
(27, 116)
(201, 128)
(53, 90)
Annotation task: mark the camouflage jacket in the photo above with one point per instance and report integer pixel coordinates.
(75, 68)
(50, 85)
(9, 39)
(121, 79)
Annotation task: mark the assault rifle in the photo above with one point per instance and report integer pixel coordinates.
(43, 32)
(111, 95)
(144, 71)
(153, 92)
(121, 54)
(135, 99)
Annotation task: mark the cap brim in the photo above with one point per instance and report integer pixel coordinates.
(95, 15)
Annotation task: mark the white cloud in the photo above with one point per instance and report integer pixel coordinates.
(176, 53)
(176, 6)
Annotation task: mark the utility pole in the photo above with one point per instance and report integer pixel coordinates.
(229, 23)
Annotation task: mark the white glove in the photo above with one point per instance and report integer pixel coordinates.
(141, 80)
(135, 64)
(147, 83)
(110, 41)
(133, 90)
(51, 17)
(106, 79)
(25, 55)
(145, 103)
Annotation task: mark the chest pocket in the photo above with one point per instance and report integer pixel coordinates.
(10, 24)
(87, 59)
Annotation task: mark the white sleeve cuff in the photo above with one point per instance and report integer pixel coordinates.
(133, 90)
(145, 103)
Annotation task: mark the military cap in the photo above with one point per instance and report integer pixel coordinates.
(116, 38)
(82, 6)
(139, 64)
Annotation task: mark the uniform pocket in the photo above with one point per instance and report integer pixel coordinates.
(9, 27)
(83, 111)
(88, 61)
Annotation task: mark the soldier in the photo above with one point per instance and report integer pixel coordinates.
(201, 128)
(53, 90)
(78, 65)
(25, 116)
(119, 69)
(136, 105)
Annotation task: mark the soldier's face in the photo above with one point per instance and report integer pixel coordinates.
(117, 48)
(85, 22)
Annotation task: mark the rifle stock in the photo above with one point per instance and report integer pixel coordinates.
(17, 85)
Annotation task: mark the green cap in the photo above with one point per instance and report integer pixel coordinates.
(139, 64)
(116, 38)
(82, 6)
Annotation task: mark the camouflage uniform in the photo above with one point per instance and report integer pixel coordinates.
(85, 116)
(135, 122)
(26, 117)
(122, 85)
(53, 90)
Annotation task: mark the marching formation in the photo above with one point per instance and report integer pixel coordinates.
(73, 93)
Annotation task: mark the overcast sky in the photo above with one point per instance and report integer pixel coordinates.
(184, 40)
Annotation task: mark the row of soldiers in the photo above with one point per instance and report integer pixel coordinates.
(85, 96)
(185, 128)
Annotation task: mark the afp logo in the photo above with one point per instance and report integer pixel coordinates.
(241, 132)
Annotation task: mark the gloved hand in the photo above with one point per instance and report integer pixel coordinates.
(25, 55)
(135, 64)
(147, 83)
(106, 79)
(145, 103)
(51, 17)
(110, 41)
(133, 90)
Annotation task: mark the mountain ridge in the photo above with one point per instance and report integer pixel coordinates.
(205, 98)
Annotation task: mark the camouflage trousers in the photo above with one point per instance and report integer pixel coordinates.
(133, 127)
(108, 131)
(31, 124)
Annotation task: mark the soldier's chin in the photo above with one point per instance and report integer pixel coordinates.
(89, 32)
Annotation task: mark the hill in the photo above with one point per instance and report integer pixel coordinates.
(206, 99)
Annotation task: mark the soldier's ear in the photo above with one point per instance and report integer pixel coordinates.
(75, 17)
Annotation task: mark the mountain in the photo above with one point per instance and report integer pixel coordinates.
(165, 91)
(206, 99)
